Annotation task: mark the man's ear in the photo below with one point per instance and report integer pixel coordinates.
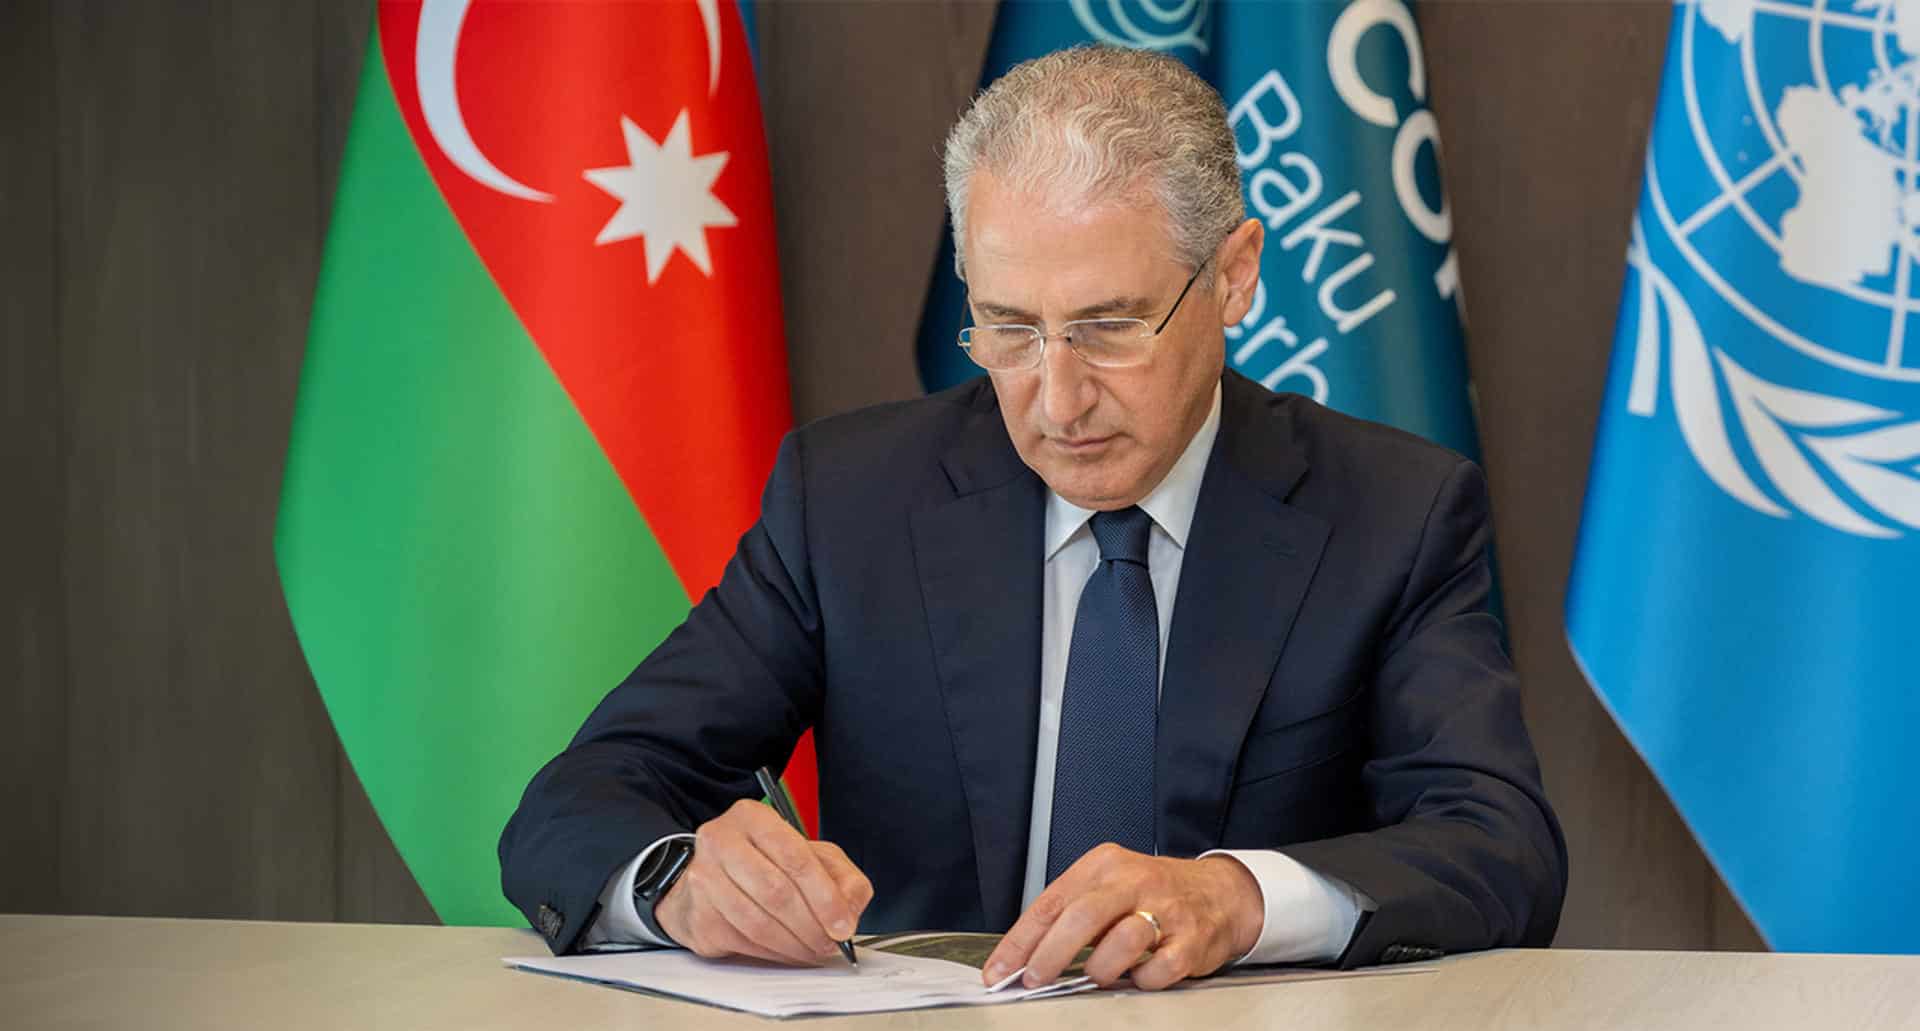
(1238, 261)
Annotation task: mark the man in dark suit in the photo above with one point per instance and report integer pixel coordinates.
(1110, 648)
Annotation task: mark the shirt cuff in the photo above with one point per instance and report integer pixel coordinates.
(619, 922)
(1309, 917)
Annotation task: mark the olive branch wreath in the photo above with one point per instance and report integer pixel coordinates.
(1803, 442)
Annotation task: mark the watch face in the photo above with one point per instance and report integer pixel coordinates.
(656, 861)
(662, 867)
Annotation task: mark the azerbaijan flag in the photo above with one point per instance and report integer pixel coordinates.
(544, 385)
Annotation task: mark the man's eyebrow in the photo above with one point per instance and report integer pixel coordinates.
(1000, 312)
(1110, 306)
(1113, 306)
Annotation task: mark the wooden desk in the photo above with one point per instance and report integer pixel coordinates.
(104, 972)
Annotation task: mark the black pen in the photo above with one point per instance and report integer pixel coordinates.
(777, 797)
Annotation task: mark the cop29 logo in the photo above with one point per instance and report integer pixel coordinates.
(1150, 24)
(1786, 202)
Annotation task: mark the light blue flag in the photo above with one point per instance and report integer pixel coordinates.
(1743, 596)
(1359, 296)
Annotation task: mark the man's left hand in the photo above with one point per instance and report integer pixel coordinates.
(1210, 914)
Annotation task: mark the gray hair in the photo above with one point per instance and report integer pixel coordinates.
(1097, 122)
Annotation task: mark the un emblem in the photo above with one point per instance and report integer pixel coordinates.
(1775, 252)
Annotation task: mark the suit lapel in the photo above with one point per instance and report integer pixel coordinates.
(979, 560)
(1248, 562)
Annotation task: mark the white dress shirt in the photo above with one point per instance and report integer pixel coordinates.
(1309, 917)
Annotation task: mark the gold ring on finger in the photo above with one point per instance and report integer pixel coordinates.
(1151, 922)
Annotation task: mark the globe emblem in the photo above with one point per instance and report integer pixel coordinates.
(1777, 247)
(1819, 170)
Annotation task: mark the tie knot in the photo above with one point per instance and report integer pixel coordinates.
(1123, 534)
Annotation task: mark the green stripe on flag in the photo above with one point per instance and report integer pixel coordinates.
(465, 571)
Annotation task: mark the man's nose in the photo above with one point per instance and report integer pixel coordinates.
(1067, 389)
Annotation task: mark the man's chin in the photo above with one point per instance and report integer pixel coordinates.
(1099, 495)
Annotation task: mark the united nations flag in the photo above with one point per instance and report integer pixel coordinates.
(1742, 591)
(1359, 297)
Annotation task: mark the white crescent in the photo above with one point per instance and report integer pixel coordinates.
(433, 56)
(710, 21)
(435, 49)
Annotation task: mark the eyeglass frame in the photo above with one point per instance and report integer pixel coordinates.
(1065, 331)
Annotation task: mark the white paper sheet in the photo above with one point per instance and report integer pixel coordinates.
(882, 982)
(906, 971)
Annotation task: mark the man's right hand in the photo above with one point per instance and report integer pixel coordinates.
(756, 887)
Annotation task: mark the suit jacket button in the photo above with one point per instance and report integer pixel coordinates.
(548, 921)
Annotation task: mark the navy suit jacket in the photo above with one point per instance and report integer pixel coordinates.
(1334, 686)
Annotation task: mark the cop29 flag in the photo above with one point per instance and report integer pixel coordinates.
(1359, 299)
(1743, 594)
(545, 381)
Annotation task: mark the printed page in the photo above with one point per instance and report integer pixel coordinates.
(905, 972)
(914, 970)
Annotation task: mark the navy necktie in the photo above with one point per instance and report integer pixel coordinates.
(1103, 773)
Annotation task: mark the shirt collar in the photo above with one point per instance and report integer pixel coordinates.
(1170, 504)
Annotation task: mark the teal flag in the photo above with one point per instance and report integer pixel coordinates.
(1359, 305)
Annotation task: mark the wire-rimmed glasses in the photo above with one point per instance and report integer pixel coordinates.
(1108, 343)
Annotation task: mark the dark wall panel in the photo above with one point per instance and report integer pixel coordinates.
(858, 99)
(193, 151)
(32, 608)
(197, 762)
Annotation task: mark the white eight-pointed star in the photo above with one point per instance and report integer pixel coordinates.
(666, 196)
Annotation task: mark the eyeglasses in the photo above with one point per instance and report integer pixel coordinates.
(1107, 343)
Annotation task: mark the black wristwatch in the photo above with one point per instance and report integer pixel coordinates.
(655, 877)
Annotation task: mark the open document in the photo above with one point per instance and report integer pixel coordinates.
(896, 972)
